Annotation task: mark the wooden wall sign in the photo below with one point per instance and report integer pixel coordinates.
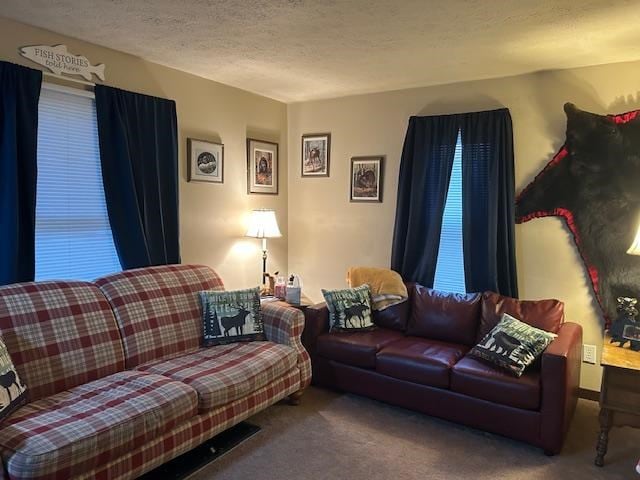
(58, 59)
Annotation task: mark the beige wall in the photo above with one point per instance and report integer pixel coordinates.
(328, 233)
(212, 216)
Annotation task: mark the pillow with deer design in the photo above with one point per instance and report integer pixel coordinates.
(13, 393)
(349, 309)
(512, 345)
(231, 316)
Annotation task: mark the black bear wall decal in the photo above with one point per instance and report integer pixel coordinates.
(593, 182)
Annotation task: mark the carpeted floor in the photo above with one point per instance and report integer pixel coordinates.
(339, 436)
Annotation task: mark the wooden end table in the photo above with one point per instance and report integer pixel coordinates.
(619, 394)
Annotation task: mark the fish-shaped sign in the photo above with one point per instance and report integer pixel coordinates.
(58, 59)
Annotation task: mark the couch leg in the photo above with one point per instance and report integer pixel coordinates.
(294, 398)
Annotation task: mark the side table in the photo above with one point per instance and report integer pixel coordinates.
(619, 394)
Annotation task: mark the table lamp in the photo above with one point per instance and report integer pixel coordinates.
(263, 224)
(634, 249)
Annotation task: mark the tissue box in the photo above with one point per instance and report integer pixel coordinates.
(293, 295)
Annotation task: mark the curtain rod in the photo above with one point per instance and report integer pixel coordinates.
(68, 79)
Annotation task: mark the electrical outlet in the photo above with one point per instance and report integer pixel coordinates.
(589, 353)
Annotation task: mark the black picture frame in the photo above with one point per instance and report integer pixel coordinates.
(364, 171)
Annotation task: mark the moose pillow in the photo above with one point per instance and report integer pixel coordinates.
(349, 309)
(12, 391)
(512, 345)
(232, 316)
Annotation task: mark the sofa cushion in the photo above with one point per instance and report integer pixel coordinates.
(74, 431)
(349, 308)
(12, 391)
(231, 316)
(224, 373)
(543, 314)
(449, 317)
(480, 380)
(59, 335)
(419, 360)
(394, 317)
(356, 348)
(512, 345)
(158, 309)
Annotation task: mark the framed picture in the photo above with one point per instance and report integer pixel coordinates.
(366, 179)
(206, 161)
(316, 149)
(262, 166)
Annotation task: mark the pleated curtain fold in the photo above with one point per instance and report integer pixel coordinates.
(138, 140)
(19, 96)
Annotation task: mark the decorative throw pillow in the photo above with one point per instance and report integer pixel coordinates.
(349, 309)
(13, 393)
(232, 316)
(512, 345)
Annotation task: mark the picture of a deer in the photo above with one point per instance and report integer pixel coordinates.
(8, 380)
(355, 310)
(236, 321)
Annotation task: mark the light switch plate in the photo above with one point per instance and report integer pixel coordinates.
(589, 353)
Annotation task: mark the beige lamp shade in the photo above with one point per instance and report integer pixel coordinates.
(263, 224)
(634, 249)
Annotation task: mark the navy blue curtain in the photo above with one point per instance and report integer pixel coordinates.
(139, 154)
(488, 202)
(19, 96)
(425, 170)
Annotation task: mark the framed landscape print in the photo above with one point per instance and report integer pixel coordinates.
(206, 161)
(366, 179)
(262, 166)
(316, 150)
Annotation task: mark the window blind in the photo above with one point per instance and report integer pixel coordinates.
(73, 236)
(449, 275)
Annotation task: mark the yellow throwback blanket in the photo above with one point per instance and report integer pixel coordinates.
(387, 287)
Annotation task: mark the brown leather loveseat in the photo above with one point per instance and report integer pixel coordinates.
(417, 358)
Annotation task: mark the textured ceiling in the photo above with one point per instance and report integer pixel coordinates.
(298, 50)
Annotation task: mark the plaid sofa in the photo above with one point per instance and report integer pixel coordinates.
(117, 380)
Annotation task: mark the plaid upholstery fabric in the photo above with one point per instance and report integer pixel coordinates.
(158, 309)
(224, 373)
(59, 335)
(75, 431)
(284, 324)
(191, 434)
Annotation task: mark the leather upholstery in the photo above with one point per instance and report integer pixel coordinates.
(534, 411)
(356, 348)
(544, 314)
(394, 317)
(478, 379)
(316, 322)
(560, 375)
(419, 360)
(523, 425)
(450, 317)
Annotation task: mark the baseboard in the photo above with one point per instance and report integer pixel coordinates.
(589, 394)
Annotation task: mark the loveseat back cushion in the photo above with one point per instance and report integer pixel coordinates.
(543, 314)
(59, 335)
(448, 317)
(158, 309)
(394, 317)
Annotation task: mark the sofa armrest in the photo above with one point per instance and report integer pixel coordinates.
(284, 324)
(560, 377)
(316, 323)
